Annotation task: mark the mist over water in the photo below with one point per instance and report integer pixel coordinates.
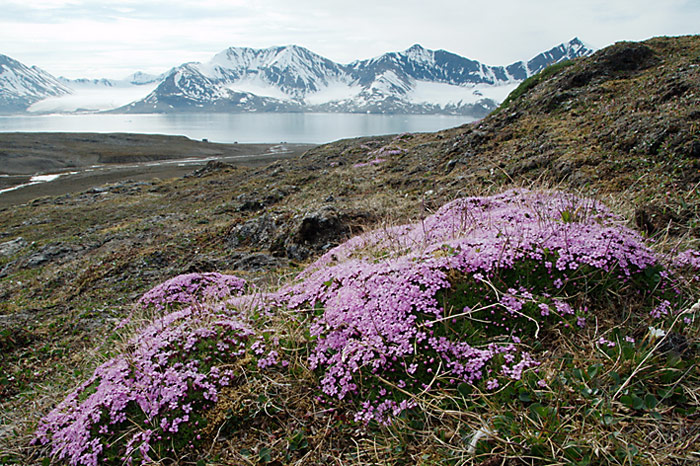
(313, 128)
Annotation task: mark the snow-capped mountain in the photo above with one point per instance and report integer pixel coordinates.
(245, 79)
(285, 79)
(191, 87)
(573, 49)
(293, 78)
(21, 86)
(294, 70)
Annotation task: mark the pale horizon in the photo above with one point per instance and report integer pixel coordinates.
(112, 39)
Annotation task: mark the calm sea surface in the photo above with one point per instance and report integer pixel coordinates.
(247, 127)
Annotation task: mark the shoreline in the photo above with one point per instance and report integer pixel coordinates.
(34, 165)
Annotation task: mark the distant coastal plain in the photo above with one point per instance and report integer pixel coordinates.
(85, 160)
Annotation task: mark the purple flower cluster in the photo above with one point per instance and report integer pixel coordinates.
(392, 314)
(380, 155)
(689, 260)
(376, 161)
(389, 149)
(193, 287)
(138, 403)
(417, 307)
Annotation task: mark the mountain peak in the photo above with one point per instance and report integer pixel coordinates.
(416, 47)
(418, 53)
(21, 86)
(297, 51)
(140, 77)
(8, 61)
(576, 43)
(294, 48)
(580, 47)
(564, 51)
(251, 58)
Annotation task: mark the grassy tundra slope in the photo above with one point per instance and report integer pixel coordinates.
(526, 326)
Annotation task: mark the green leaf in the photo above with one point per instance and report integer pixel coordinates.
(508, 392)
(627, 401)
(631, 451)
(542, 412)
(573, 452)
(416, 424)
(298, 441)
(593, 370)
(650, 401)
(615, 377)
(504, 422)
(637, 403)
(265, 455)
(579, 374)
(538, 450)
(465, 389)
(524, 396)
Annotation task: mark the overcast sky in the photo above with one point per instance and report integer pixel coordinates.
(91, 38)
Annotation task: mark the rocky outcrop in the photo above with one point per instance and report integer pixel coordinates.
(10, 248)
(298, 237)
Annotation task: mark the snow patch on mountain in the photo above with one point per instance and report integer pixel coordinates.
(389, 83)
(254, 84)
(443, 94)
(334, 91)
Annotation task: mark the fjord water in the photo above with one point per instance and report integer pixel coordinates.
(313, 128)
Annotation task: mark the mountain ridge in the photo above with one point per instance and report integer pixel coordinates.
(306, 81)
(292, 78)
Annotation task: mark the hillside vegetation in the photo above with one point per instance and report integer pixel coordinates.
(522, 290)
